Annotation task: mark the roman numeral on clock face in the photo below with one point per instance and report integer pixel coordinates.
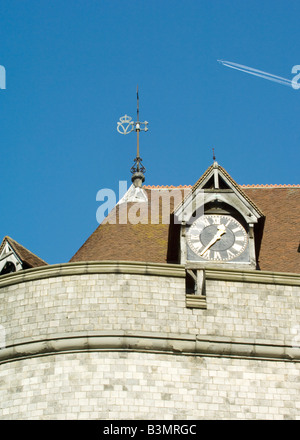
(217, 256)
(195, 230)
(206, 254)
(197, 246)
(205, 221)
(230, 254)
(237, 247)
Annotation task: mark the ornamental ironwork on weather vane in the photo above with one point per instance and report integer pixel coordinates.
(125, 126)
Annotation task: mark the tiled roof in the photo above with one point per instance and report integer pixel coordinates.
(270, 186)
(27, 257)
(151, 242)
(281, 236)
(144, 241)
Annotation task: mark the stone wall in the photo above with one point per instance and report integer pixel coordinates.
(126, 385)
(118, 341)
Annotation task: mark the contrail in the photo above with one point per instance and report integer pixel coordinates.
(256, 72)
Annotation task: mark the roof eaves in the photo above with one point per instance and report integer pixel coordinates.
(24, 253)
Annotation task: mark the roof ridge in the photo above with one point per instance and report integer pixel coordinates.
(271, 185)
(247, 185)
(166, 186)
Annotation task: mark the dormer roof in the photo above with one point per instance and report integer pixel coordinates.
(214, 181)
(17, 257)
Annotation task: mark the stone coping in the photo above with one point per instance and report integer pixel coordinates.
(141, 268)
(174, 344)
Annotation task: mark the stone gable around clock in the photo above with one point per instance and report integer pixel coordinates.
(217, 198)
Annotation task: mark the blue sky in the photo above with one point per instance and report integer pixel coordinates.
(72, 67)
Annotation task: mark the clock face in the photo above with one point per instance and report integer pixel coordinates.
(217, 238)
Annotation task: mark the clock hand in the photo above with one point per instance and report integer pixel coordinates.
(220, 232)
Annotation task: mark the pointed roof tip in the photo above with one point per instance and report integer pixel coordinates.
(135, 194)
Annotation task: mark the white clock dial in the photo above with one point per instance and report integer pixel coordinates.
(217, 237)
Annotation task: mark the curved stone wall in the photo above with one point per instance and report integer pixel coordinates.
(128, 385)
(76, 333)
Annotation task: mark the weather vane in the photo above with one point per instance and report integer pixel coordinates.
(125, 126)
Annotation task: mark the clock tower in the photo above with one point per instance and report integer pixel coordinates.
(219, 225)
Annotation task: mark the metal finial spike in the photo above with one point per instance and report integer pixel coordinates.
(214, 157)
(137, 98)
